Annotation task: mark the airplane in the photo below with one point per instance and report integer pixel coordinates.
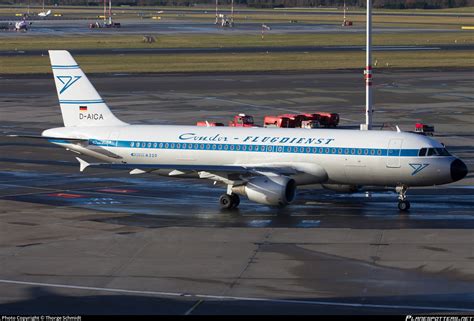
(264, 164)
(44, 14)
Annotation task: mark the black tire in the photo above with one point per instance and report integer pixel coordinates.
(403, 206)
(226, 202)
(235, 200)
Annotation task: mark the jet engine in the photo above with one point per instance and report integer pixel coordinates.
(274, 190)
(341, 188)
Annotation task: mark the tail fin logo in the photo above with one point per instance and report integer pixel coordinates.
(67, 81)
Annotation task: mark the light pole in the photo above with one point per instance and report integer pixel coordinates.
(368, 70)
(232, 15)
(110, 12)
(105, 12)
(344, 21)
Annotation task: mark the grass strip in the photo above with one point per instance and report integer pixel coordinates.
(97, 40)
(243, 62)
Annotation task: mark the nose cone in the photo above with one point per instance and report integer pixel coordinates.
(458, 170)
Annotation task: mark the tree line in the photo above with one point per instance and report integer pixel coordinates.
(387, 4)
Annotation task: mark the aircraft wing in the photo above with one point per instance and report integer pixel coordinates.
(228, 174)
(239, 169)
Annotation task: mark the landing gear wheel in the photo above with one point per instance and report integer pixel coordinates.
(403, 203)
(226, 202)
(235, 200)
(403, 206)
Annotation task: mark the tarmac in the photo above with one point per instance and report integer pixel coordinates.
(237, 50)
(59, 28)
(106, 242)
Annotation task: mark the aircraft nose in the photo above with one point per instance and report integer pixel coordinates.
(458, 170)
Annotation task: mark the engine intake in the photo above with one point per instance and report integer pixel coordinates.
(274, 190)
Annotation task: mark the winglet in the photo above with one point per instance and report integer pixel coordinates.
(398, 129)
(82, 164)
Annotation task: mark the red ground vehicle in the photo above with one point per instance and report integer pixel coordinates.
(327, 119)
(277, 121)
(313, 120)
(424, 129)
(295, 119)
(242, 120)
(208, 124)
(301, 120)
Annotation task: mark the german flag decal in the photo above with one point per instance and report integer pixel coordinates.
(83, 108)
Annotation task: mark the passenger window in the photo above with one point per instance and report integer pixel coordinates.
(422, 152)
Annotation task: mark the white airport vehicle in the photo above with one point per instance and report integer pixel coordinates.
(44, 14)
(22, 25)
(264, 164)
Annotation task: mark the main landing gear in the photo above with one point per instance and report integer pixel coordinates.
(403, 203)
(228, 202)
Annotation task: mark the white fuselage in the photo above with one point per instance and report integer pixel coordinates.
(333, 156)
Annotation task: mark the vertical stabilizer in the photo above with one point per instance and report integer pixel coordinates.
(81, 104)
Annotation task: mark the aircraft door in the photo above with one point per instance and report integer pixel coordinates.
(393, 153)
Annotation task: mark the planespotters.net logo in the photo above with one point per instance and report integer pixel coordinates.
(439, 318)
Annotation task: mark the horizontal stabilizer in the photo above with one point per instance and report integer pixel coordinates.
(49, 138)
(78, 141)
(82, 164)
(137, 171)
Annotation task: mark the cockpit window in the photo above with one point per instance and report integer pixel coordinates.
(422, 152)
(443, 152)
(437, 152)
(431, 152)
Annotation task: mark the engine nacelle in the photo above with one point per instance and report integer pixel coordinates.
(275, 190)
(341, 188)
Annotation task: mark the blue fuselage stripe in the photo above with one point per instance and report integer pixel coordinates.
(257, 148)
(75, 102)
(59, 141)
(65, 66)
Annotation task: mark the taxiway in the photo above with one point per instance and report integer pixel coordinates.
(107, 242)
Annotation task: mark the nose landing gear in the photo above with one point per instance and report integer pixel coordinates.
(403, 203)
